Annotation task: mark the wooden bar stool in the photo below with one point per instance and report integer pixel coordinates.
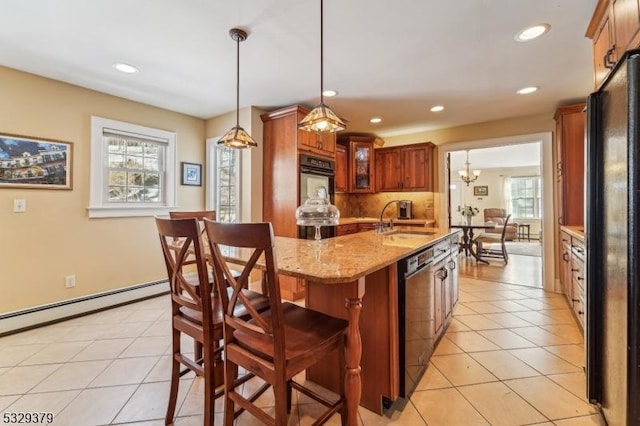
(276, 344)
(196, 312)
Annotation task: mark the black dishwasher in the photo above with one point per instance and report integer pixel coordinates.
(416, 317)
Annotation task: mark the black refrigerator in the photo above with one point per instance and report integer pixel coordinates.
(612, 234)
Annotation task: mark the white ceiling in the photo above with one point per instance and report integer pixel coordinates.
(392, 59)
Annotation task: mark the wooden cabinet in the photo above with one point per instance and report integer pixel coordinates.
(346, 229)
(565, 264)
(614, 29)
(405, 168)
(318, 144)
(570, 133)
(366, 226)
(573, 276)
(283, 143)
(342, 166)
(361, 164)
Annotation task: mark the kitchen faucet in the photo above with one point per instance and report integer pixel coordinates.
(381, 224)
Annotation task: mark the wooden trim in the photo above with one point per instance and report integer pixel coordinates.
(282, 112)
(596, 19)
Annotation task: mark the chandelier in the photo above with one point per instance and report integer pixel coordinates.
(467, 175)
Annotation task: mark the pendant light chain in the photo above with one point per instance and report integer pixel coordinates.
(237, 81)
(322, 51)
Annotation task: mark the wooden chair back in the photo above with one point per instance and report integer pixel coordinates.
(258, 239)
(199, 215)
(188, 290)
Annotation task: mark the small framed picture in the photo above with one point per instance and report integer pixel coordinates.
(480, 191)
(191, 174)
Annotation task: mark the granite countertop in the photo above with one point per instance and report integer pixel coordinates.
(574, 231)
(399, 222)
(348, 257)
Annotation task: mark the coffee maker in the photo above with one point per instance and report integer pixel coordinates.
(404, 209)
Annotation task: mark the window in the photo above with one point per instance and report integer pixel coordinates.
(132, 169)
(223, 192)
(524, 197)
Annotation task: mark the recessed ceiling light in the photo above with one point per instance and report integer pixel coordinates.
(527, 90)
(329, 93)
(375, 120)
(532, 32)
(126, 68)
(437, 108)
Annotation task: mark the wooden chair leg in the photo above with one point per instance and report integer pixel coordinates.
(280, 391)
(230, 372)
(289, 393)
(175, 379)
(209, 391)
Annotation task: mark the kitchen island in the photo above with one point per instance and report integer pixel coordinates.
(359, 272)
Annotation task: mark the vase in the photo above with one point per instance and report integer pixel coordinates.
(468, 220)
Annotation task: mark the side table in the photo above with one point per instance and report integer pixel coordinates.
(521, 228)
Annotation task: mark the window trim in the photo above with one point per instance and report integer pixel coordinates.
(98, 206)
(212, 190)
(537, 199)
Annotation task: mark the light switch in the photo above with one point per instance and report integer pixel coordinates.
(19, 206)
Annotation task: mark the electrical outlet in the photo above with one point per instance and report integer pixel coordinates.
(70, 281)
(19, 206)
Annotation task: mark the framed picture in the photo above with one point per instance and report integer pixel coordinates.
(31, 162)
(191, 174)
(480, 191)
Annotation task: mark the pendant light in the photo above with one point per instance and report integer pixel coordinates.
(321, 119)
(237, 137)
(465, 174)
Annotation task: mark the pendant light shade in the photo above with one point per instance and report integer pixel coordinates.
(237, 137)
(321, 119)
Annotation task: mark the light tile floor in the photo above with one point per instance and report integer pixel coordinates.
(513, 355)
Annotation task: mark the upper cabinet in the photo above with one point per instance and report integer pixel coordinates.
(614, 29)
(361, 164)
(405, 168)
(285, 123)
(342, 165)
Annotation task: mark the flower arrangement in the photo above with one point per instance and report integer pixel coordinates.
(468, 211)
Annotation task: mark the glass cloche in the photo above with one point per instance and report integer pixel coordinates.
(317, 211)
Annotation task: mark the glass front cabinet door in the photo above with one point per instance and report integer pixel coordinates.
(362, 165)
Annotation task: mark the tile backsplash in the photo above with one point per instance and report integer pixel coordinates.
(370, 205)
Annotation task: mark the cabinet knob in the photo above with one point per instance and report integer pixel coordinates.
(575, 300)
(580, 312)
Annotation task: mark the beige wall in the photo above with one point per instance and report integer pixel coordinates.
(54, 237)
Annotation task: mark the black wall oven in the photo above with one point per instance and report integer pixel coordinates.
(316, 174)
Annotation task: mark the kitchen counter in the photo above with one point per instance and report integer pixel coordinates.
(399, 222)
(574, 231)
(349, 257)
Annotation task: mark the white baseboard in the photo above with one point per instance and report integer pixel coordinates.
(45, 314)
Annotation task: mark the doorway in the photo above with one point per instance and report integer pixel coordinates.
(515, 173)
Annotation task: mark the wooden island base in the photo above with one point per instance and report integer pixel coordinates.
(378, 334)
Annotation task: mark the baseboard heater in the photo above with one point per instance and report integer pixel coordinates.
(25, 319)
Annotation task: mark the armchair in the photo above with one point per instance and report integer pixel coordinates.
(499, 217)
